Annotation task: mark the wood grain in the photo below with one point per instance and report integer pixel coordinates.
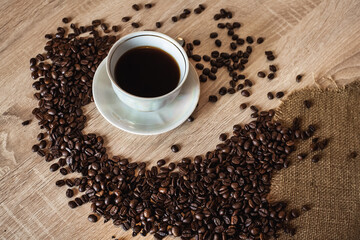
(317, 38)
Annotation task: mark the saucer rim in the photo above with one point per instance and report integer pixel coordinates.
(161, 130)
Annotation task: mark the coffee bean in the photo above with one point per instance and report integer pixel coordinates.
(35, 148)
(158, 24)
(298, 78)
(203, 78)
(212, 76)
(136, 7)
(240, 41)
(243, 106)
(218, 42)
(174, 19)
(221, 25)
(175, 148)
(148, 5)
(72, 204)
(305, 208)
(248, 83)
(231, 90)
(69, 193)
(353, 155)
(206, 58)
(230, 32)
(222, 91)
(60, 183)
(261, 74)
(260, 40)
(198, 10)
(115, 28)
(190, 119)
(271, 76)
(65, 20)
(125, 19)
(196, 58)
(240, 86)
(271, 57)
(270, 95)
(135, 25)
(196, 42)
(213, 98)
(199, 66)
(315, 158)
(92, 218)
(249, 39)
(279, 94)
(233, 46)
(215, 54)
(272, 68)
(245, 93)
(40, 136)
(42, 144)
(161, 162)
(54, 167)
(24, 123)
(307, 103)
(212, 35)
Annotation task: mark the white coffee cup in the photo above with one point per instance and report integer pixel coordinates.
(141, 39)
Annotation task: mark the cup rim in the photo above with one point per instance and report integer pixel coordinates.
(147, 33)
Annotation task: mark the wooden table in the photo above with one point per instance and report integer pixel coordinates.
(320, 39)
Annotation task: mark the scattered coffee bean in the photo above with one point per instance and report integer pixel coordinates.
(65, 20)
(175, 148)
(198, 10)
(233, 46)
(136, 7)
(307, 103)
(199, 66)
(190, 119)
(35, 148)
(125, 19)
(213, 98)
(54, 167)
(135, 25)
(158, 24)
(261, 74)
(40, 136)
(69, 193)
(353, 155)
(212, 76)
(213, 35)
(196, 58)
(223, 137)
(249, 39)
(72, 204)
(222, 91)
(315, 158)
(240, 41)
(279, 94)
(60, 183)
(231, 90)
(218, 42)
(174, 19)
(245, 93)
(196, 42)
(92, 217)
(206, 58)
(260, 40)
(115, 28)
(270, 95)
(161, 162)
(148, 5)
(272, 68)
(248, 83)
(203, 78)
(24, 123)
(271, 76)
(298, 78)
(240, 86)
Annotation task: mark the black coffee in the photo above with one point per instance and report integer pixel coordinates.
(147, 72)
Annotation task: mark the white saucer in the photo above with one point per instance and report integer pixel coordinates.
(144, 123)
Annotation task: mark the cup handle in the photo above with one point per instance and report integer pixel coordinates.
(180, 41)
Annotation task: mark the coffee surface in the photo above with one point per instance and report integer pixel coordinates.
(147, 72)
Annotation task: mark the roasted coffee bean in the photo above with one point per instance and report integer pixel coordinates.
(203, 78)
(65, 20)
(218, 42)
(271, 57)
(261, 74)
(40, 136)
(270, 95)
(115, 28)
(271, 76)
(249, 39)
(196, 42)
(103, 26)
(272, 68)
(221, 25)
(206, 58)
(243, 106)
(240, 41)
(298, 78)
(24, 123)
(136, 7)
(245, 93)
(231, 90)
(190, 119)
(222, 137)
(158, 24)
(92, 218)
(212, 76)
(230, 32)
(240, 86)
(60, 183)
(196, 58)
(69, 193)
(222, 91)
(135, 25)
(213, 98)
(199, 66)
(279, 94)
(148, 5)
(161, 162)
(42, 144)
(248, 83)
(125, 19)
(213, 69)
(72, 204)
(213, 35)
(307, 103)
(233, 46)
(175, 148)
(315, 158)
(174, 19)
(35, 148)
(198, 10)
(54, 167)
(260, 40)
(215, 54)
(353, 155)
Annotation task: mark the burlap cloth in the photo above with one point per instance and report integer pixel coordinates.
(331, 186)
